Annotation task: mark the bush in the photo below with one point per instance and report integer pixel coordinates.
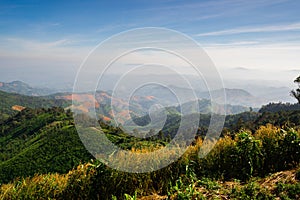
(269, 149)
(266, 151)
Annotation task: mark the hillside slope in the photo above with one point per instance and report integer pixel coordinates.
(20, 87)
(39, 141)
(8, 100)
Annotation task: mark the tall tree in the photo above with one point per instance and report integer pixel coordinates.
(296, 93)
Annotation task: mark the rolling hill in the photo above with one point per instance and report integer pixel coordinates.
(234, 97)
(138, 105)
(39, 141)
(20, 87)
(11, 103)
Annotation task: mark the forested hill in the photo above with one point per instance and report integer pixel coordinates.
(277, 107)
(39, 141)
(11, 103)
(45, 140)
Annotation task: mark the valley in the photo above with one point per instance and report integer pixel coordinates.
(39, 140)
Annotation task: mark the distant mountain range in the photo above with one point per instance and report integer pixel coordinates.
(20, 87)
(110, 107)
(233, 96)
(252, 96)
(11, 103)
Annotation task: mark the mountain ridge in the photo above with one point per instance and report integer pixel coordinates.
(20, 87)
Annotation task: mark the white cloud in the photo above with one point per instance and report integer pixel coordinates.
(270, 58)
(267, 60)
(261, 29)
(233, 44)
(51, 51)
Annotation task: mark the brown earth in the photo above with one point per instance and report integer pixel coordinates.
(17, 108)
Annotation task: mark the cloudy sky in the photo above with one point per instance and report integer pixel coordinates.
(250, 39)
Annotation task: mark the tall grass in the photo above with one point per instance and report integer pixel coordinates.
(269, 149)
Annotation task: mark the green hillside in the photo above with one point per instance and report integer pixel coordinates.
(259, 165)
(7, 100)
(45, 140)
(39, 141)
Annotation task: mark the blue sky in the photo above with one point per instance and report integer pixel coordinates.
(255, 35)
(56, 20)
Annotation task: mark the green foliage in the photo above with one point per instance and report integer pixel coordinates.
(8, 100)
(268, 150)
(39, 141)
(280, 119)
(251, 191)
(288, 191)
(185, 186)
(48, 140)
(279, 107)
(187, 178)
(128, 197)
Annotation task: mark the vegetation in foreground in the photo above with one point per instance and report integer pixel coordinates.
(238, 167)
